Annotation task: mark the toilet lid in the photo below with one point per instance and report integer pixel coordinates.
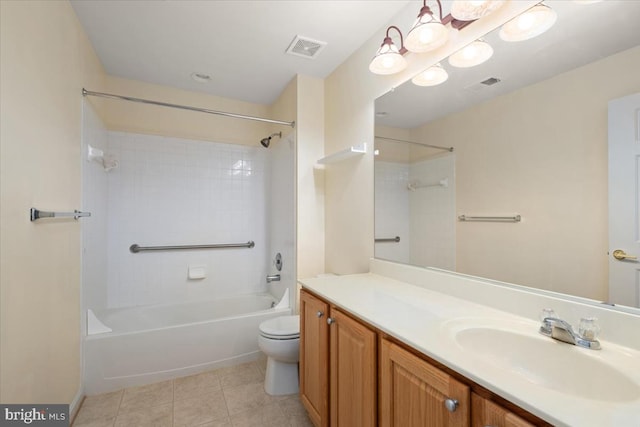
(281, 327)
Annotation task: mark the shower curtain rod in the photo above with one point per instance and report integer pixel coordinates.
(185, 107)
(416, 143)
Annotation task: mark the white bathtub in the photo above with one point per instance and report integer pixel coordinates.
(154, 343)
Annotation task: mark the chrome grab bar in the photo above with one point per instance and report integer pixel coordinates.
(135, 248)
(388, 240)
(36, 214)
(515, 218)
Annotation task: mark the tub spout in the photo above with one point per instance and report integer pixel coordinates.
(273, 278)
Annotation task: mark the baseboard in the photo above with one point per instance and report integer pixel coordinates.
(75, 404)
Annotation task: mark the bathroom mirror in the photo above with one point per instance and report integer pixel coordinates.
(529, 132)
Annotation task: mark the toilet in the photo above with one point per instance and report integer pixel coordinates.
(280, 340)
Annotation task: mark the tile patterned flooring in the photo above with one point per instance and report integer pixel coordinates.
(232, 396)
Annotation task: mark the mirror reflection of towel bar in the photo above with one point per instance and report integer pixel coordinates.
(515, 218)
(388, 240)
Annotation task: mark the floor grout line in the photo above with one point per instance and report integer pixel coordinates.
(246, 371)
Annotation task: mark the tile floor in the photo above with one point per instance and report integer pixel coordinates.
(231, 396)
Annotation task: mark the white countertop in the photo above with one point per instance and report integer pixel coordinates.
(428, 321)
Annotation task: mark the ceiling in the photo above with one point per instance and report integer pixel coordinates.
(240, 44)
(582, 34)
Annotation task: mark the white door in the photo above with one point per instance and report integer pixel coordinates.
(624, 200)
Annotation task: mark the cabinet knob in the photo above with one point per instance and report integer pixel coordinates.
(319, 314)
(451, 405)
(330, 320)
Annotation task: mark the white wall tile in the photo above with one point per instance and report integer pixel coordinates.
(423, 218)
(433, 213)
(169, 191)
(392, 210)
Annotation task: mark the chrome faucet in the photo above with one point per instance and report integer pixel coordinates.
(562, 331)
(273, 278)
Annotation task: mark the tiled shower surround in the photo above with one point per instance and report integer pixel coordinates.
(170, 191)
(424, 218)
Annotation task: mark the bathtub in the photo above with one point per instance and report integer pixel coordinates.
(154, 343)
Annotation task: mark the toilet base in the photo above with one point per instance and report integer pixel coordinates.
(281, 378)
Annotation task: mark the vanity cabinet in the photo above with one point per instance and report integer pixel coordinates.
(354, 375)
(314, 358)
(338, 366)
(415, 393)
(486, 413)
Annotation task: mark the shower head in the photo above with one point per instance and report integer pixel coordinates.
(266, 141)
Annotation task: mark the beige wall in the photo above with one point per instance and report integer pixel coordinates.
(546, 160)
(45, 61)
(310, 180)
(150, 119)
(350, 92)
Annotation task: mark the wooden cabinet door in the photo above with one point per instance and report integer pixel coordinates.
(314, 358)
(486, 413)
(353, 372)
(415, 393)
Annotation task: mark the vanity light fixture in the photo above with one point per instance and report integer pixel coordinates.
(389, 59)
(470, 10)
(475, 53)
(529, 24)
(428, 32)
(432, 76)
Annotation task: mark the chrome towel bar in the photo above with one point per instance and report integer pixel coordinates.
(515, 218)
(35, 214)
(388, 240)
(135, 248)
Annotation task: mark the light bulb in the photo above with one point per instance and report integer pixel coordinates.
(427, 33)
(526, 21)
(432, 76)
(471, 55)
(529, 24)
(388, 60)
(469, 52)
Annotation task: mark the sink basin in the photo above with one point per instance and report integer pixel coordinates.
(548, 363)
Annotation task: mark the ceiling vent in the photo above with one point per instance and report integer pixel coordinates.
(305, 47)
(490, 81)
(477, 87)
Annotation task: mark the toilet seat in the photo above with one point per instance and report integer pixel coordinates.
(281, 328)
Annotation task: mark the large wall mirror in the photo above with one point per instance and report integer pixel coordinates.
(529, 132)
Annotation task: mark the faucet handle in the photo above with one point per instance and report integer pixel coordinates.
(589, 328)
(545, 325)
(547, 312)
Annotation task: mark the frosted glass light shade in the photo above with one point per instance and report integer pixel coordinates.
(529, 24)
(432, 76)
(470, 10)
(388, 60)
(473, 54)
(427, 34)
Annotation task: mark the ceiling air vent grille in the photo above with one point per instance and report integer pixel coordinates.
(490, 81)
(305, 47)
(477, 87)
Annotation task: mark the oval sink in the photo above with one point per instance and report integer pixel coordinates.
(548, 363)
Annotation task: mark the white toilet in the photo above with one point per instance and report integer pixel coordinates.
(280, 340)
